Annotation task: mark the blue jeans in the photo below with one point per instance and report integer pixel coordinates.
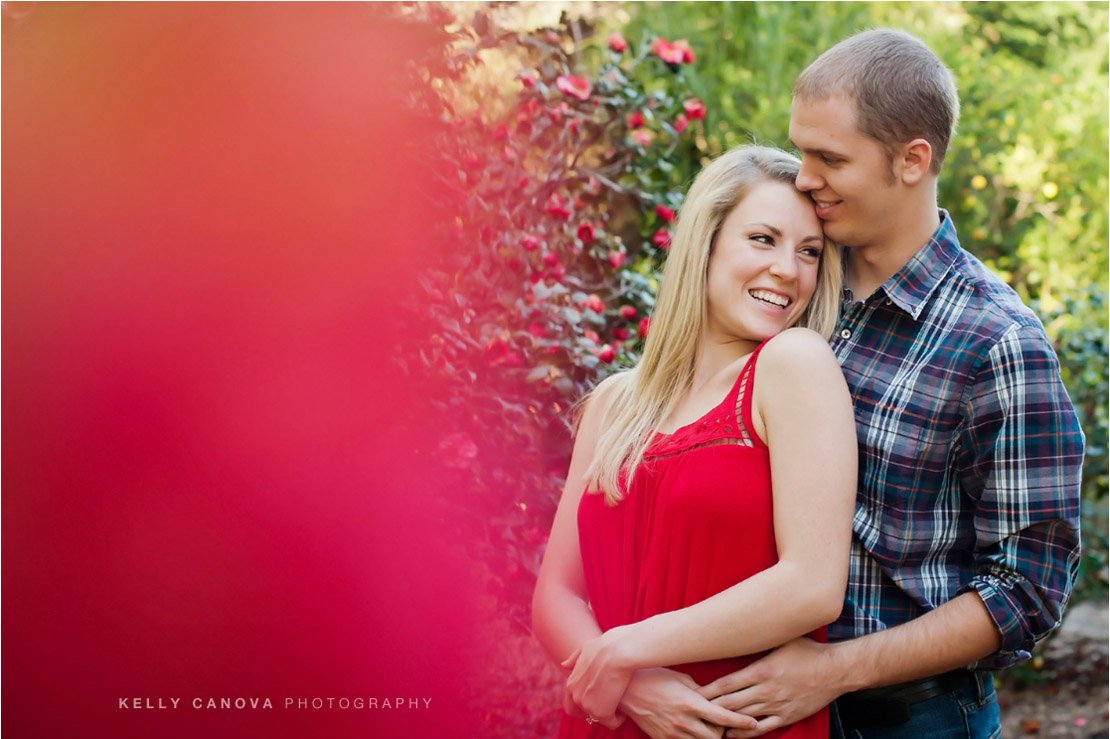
(968, 713)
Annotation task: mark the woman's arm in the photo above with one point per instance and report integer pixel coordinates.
(562, 619)
(803, 405)
(662, 702)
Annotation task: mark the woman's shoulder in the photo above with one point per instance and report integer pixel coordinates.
(795, 344)
(597, 401)
(613, 382)
(797, 353)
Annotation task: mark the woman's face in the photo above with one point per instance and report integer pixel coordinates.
(763, 266)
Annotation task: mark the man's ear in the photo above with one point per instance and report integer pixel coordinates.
(915, 158)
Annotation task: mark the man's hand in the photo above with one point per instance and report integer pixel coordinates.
(791, 683)
(665, 704)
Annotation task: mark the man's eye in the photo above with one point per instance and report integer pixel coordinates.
(830, 161)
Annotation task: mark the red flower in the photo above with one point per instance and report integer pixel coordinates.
(576, 87)
(496, 348)
(550, 259)
(628, 312)
(586, 233)
(620, 333)
(667, 51)
(661, 238)
(459, 451)
(537, 329)
(694, 108)
(642, 330)
(530, 243)
(680, 123)
(592, 335)
(501, 132)
(557, 273)
(665, 213)
(616, 259)
(687, 53)
(555, 207)
(594, 303)
(607, 354)
(617, 43)
(636, 120)
(528, 81)
(643, 137)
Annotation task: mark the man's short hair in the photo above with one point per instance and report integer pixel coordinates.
(901, 89)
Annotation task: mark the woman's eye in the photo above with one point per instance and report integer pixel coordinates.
(811, 252)
(762, 238)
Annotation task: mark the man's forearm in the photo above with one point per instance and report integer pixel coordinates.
(954, 635)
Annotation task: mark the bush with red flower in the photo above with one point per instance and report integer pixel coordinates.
(556, 204)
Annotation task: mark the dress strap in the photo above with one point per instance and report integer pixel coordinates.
(743, 409)
(730, 422)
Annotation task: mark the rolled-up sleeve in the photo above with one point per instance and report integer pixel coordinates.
(1021, 456)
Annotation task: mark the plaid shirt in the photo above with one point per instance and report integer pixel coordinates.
(969, 452)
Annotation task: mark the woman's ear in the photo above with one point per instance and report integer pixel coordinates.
(914, 161)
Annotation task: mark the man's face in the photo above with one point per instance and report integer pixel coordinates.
(848, 174)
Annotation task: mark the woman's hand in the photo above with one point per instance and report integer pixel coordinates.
(600, 672)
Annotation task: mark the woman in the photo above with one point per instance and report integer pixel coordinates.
(670, 546)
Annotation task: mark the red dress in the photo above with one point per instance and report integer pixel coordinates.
(696, 520)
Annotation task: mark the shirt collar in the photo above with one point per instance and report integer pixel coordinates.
(912, 285)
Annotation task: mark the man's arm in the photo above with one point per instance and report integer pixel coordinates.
(802, 677)
(1019, 458)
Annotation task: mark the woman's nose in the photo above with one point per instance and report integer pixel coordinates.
(785, 266)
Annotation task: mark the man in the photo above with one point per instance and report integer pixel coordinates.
(966, 533)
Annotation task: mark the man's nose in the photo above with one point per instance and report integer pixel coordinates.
(806, 180)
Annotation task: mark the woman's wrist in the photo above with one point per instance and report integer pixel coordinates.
(626, 648)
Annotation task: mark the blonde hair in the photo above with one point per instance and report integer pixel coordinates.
(643, 397)
(901, 90)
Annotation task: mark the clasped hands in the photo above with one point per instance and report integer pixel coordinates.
(781, 688)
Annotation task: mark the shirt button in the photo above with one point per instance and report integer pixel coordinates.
(888, 301)
(845, 334)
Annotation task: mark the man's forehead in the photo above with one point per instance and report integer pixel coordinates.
(824, 122)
